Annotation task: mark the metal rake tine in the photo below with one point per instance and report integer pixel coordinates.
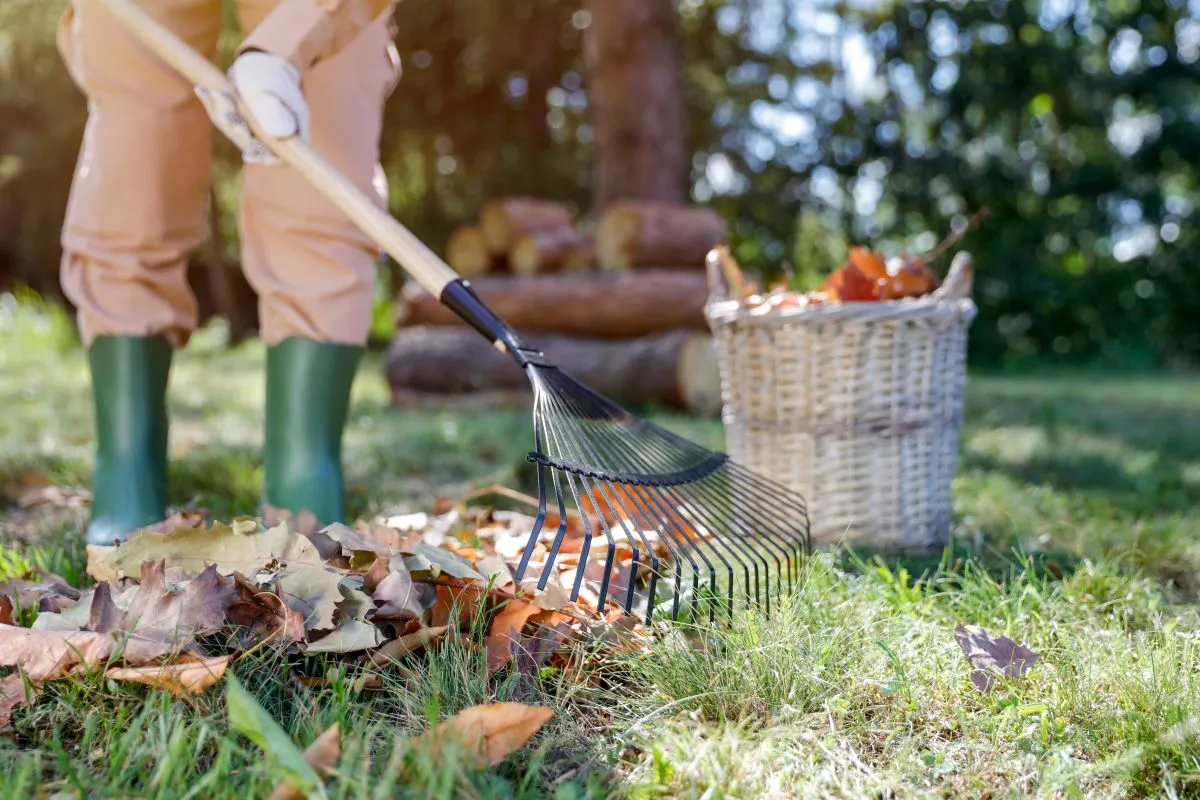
(669, 516)
(612, 438)
(635, 498)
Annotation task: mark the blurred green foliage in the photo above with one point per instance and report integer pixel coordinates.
(812, 123)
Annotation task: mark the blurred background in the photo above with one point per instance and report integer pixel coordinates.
(809, 125)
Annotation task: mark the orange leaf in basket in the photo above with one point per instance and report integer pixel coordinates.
(906, 278)
(871, 265)
(857, 287)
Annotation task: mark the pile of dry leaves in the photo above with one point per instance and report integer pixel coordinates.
(371, 593)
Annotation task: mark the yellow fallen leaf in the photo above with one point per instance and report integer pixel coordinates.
(493, 732)
(322, 755)
(188, 678)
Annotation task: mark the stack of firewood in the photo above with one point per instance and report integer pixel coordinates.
(618, 304)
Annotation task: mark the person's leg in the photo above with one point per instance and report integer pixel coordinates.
(314, 272)
(135, 210)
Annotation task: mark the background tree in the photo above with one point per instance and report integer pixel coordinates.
(636, 99)
(809, 124)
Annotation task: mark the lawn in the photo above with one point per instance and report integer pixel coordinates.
(1075, 534)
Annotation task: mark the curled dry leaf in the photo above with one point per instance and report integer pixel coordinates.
(396, 596)
(185, 678)
(6, 611)
(352, 631)
(322, 755)
(992, 656)
(260, 615)
(51, 593)
(339, 543)
(408, 643)
(490, 733)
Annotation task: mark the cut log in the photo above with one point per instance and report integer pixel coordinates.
(599, 305)
(641, 234)
(674, 369)
(503, 220)
(467, 253)
(548, 251)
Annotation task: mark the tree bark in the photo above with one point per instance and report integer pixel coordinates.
(674, 369)
(639, 234)
(599, 305)
(632, 55)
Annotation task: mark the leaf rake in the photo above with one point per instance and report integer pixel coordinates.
(647, 515)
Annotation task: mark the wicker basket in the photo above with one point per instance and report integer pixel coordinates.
(855, 405)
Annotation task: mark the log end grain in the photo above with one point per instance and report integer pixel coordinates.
(467, 253)
(503, 219)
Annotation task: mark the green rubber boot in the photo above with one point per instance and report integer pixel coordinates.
(308, 395)
(129, 473)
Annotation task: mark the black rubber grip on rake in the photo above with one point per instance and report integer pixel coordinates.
(460, 297)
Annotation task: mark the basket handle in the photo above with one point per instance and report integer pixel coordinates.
(725, 279)
(959, 281)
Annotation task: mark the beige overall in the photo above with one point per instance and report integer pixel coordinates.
(138, 200)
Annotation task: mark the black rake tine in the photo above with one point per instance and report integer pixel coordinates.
(630, 517)
(733, 515)
(671, 527)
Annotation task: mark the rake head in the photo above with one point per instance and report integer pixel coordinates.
(650, 517)
(644, 514)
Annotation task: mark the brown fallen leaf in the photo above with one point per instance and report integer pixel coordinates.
(396, 596)
(48, 655)
(490, 733)
(157, 612)
(409, 643)
(51, 593)
(396, 541)
(500, 649)
(186, 678)
(6, 611)
(312, 592)
(260, 615)
(12, 697)
(465, 600)
(992, 656)
(512, 617)
(322, 755)
(345, 547)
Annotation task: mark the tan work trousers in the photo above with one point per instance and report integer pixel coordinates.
(138, 199)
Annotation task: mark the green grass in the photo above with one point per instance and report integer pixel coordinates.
(1075, 533)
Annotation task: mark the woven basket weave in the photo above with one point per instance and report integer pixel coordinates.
(855, 405)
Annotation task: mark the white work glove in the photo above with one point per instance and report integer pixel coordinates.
(269, 86)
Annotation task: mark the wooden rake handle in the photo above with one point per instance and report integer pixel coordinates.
(396, 240)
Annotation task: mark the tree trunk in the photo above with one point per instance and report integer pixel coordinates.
(674, 369)
(657, 235)
(632, 54)
(600, 305)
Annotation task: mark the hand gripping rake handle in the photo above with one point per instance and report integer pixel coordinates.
(397, 241)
